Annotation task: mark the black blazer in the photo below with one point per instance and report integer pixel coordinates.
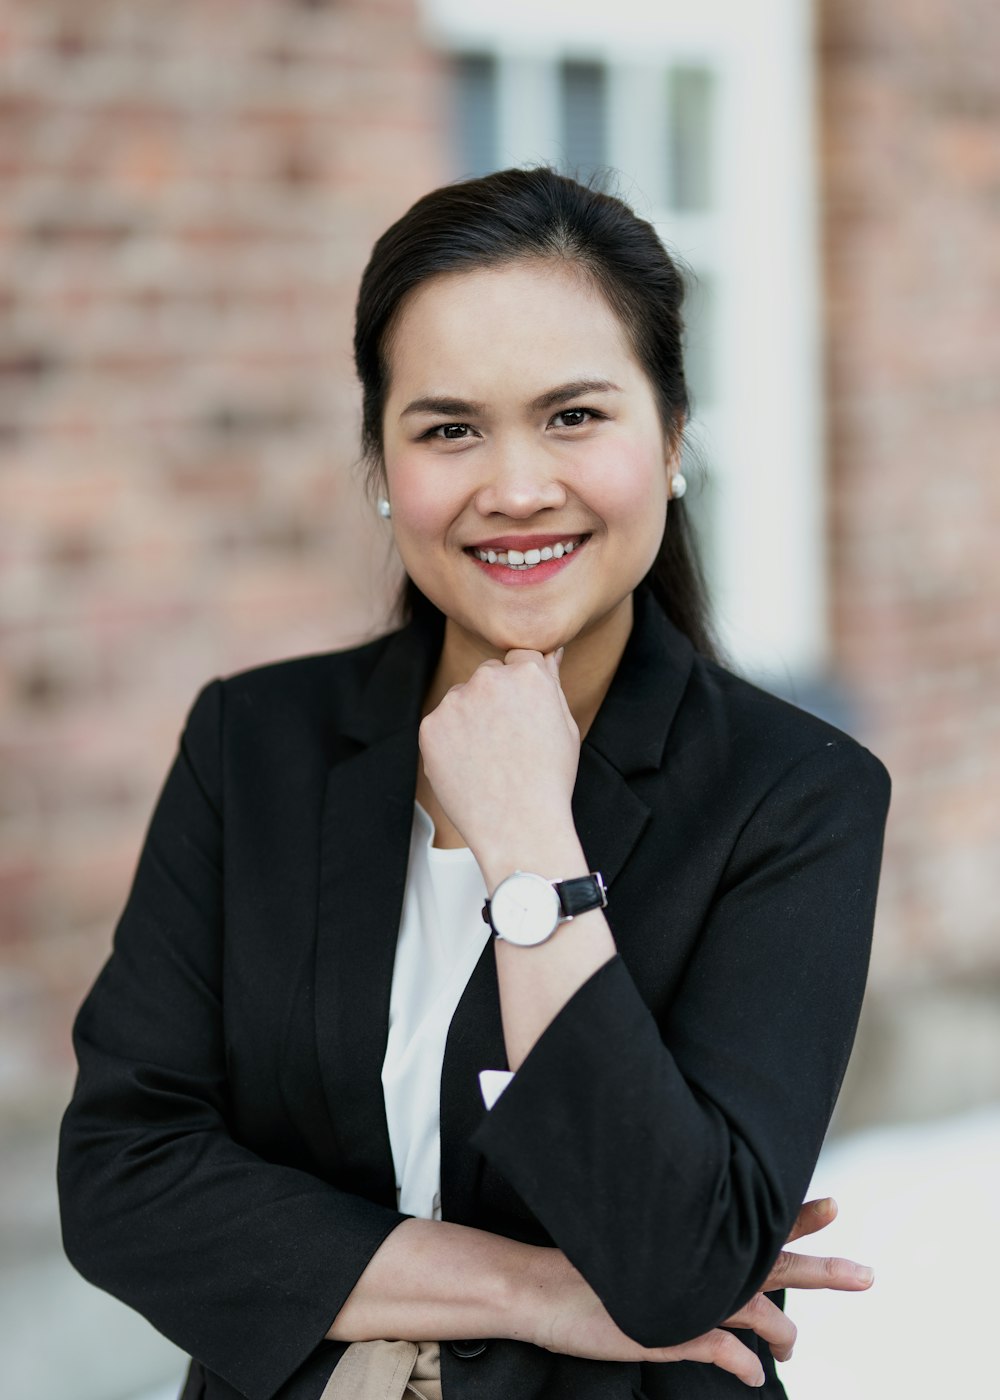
(225, 1165)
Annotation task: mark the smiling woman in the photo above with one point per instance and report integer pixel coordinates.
(484, 992)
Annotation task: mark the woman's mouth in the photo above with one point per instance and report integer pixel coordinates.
(528, 558)
(528, 565)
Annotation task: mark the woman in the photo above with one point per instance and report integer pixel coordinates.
(351, 1075)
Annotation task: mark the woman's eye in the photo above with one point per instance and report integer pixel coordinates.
(575, 417)
(449, 432)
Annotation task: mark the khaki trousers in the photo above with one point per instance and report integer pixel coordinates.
(384, 1370)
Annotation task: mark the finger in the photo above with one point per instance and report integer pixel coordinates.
(564, 703)
(554, 661)
(722, 1349)
(814, 1215)
(765, 1318)
(792, 1270)
(519, 655)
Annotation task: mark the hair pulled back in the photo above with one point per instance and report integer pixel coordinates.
(513, 215)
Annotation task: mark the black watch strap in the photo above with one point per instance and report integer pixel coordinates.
(580, 894)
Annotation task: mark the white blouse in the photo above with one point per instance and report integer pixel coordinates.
(441, 939)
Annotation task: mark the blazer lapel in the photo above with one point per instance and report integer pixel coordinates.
(628, 737)
(475, 1041)
(365, 841)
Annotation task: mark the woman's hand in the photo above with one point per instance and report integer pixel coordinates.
(568, 1317)
(800, 1271)
(572, 1319)
(813, 1271)
(501, 751)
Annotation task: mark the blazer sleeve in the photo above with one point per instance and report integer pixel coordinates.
(668, 1161)
(241, 1262)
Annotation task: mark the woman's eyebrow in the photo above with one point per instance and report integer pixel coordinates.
(572, 390)
(452, 408)
(458, 408)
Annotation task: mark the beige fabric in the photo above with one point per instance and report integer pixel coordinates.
(383, 1370)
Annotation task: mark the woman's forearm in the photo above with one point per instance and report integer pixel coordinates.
(433, 1278)
(536, 982)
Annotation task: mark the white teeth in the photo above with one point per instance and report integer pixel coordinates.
(525, 559)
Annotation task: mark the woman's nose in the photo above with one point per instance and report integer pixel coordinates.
(518, 484)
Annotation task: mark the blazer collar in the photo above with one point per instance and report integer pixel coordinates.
(391, 697)
(631, 727)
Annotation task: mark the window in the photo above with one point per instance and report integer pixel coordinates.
(689, 129)
(474, 107)
(583, 118)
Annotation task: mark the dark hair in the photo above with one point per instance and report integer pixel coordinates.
(529, 214)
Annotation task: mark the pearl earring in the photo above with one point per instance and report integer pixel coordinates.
(384, 508)
(678, 485)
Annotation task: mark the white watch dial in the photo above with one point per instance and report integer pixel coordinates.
(525, 908)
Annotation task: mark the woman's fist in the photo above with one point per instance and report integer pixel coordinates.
(502, 749)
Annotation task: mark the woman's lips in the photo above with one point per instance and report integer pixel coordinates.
(563, 550)
(526, 542)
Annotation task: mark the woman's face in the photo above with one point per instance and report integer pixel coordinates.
(518, 418)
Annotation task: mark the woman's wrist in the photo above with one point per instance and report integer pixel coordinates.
(533, 1292)
(432, 1278)
(550, 848)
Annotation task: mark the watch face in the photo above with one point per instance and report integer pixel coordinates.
(525, 908)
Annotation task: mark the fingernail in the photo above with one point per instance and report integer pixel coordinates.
(825, 1206)
(559, 656)
(863, 1273)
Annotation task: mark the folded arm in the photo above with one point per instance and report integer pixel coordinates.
(668, 1161)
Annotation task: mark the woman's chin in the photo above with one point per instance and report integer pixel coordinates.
(508, 634)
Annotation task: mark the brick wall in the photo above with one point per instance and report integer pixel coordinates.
(190, 191)
(911, 182)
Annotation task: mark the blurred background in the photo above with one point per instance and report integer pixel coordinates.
(190, 192)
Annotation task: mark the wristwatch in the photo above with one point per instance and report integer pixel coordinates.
(526, 909)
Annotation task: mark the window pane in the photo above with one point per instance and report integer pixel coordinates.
(475, 113)
(583, 106)
(699, 339)
(690, 138)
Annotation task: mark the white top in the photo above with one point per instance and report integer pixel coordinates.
(441, 939)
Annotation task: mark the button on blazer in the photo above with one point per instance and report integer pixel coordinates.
(224, 1163)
